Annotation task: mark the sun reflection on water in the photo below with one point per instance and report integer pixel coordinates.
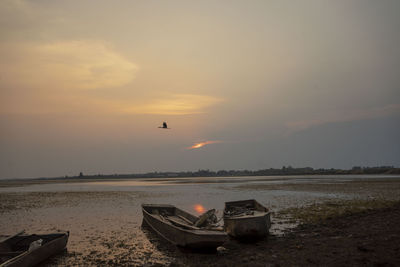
(199, 208)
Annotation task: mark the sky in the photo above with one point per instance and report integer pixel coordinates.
(84, 85)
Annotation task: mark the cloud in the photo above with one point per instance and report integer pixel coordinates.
(14, 7)
(72, 65)
(64, 76)
(344, 116)
(175, 104)
(38, 77)
(201, 144)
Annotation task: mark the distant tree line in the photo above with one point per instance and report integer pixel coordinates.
(264, 172)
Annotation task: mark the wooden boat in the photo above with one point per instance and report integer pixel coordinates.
(246, 219)
(23, 250)
(181, 228)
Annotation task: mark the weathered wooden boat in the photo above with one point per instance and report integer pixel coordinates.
(182, 228)
(21, 250)
(246, 219)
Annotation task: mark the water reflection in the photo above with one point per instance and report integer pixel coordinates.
(199, 208)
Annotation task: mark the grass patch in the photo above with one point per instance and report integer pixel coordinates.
(320, 212)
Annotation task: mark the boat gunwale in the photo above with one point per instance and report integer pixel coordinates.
(244, 217)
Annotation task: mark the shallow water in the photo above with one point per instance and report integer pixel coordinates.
(104, 217)
(187, 192)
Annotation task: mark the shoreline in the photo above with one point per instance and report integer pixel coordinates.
(18, 182)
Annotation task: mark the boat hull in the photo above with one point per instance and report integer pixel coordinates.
(251, 222)
(196, 239)
(35, 256)
(248, 227)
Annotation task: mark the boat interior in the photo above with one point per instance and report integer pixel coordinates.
(172, 215)
(243, 207)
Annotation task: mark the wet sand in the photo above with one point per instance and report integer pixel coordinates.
(105, 221)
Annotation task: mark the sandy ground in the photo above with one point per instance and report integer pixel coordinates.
(106, 232)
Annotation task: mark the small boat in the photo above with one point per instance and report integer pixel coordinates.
(246, 219)
(21, 250)
(182, 228)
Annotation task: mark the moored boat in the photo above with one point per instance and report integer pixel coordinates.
(23, 250)
(182, 228)
(246, 219)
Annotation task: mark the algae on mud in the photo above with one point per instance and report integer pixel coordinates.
(320, 212)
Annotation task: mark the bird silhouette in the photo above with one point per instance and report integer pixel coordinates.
(164, 126)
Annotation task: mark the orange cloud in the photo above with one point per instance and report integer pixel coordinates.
(72, 65)
(201, 144)
(175, 104)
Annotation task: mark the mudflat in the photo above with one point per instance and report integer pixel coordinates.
(369, 238)
(348, 221)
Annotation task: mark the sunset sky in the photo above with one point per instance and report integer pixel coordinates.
(84, 85)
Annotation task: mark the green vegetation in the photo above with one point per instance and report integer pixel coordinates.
(320, 212)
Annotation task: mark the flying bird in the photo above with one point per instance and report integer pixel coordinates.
(164, 126)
